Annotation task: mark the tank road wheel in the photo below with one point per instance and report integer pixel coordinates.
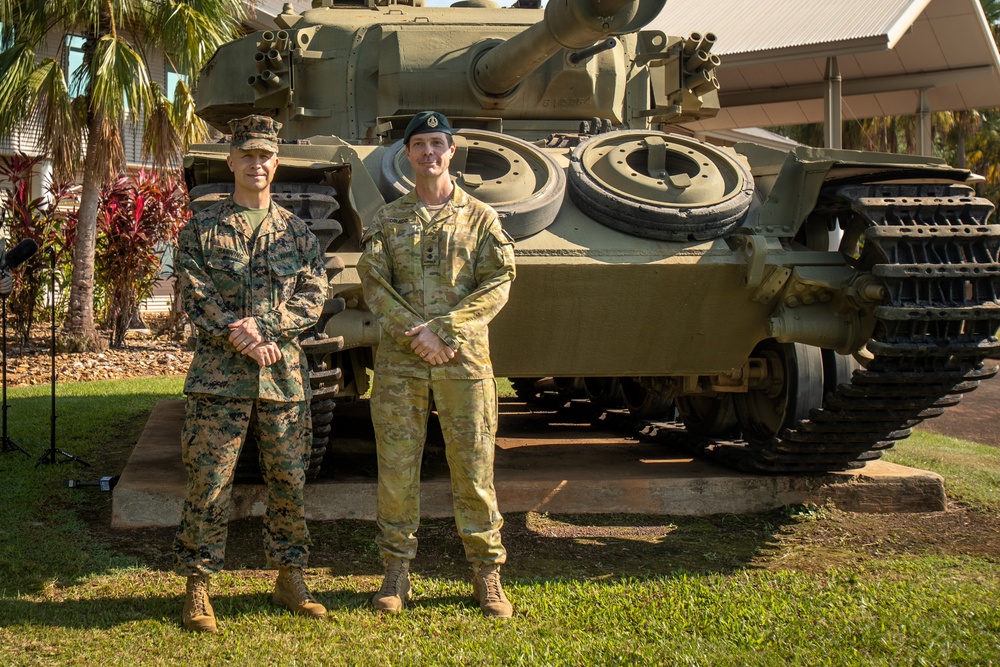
(659, 186)
(793, 387)
(837, 370)
(604, 392)
(526, 389)
(645, 404)
(521, 182)
(708, 416)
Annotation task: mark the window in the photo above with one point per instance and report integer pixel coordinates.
(172, 79)
(78, 78)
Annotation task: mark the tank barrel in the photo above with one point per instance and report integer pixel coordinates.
(567, 25)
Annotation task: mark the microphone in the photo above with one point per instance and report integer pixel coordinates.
(18, 255)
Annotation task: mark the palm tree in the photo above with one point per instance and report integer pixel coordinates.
(80, 109)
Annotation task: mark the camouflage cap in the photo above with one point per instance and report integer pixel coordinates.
(255, 133)
(425, 122)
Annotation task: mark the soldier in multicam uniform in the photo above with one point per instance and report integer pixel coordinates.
(252, 279)
(436, 268)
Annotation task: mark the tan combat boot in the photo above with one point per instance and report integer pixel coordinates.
(198, 614)
(395, 590)
(488, 591)
(291, 592)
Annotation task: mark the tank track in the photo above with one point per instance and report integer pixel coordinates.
(931, 247)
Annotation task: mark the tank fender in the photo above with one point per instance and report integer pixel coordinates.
(793, 195)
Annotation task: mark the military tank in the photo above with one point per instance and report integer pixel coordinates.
(682, 280)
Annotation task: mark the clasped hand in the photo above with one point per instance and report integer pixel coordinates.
(429, 346)
(247, 339)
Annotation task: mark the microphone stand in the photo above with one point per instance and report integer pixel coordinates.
(8, 444)
(51, 456)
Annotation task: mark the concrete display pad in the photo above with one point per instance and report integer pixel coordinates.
(542, 465)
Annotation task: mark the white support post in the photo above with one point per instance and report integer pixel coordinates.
(833, 116)
(925, 143)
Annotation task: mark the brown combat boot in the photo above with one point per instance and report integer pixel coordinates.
(488, 591)
(291, 592)
(198, 614)
(395, 590)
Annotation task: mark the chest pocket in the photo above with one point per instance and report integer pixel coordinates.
(229, 274)
(283, 265)
(403, 241)
(457, 262)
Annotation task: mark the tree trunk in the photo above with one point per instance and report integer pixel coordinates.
(961, 148)
(79, 323)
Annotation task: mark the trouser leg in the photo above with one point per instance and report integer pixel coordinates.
(284, 437)
(400, 408)
(214, 429)
(467, 410)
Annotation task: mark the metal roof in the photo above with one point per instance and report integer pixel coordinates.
(774, 56)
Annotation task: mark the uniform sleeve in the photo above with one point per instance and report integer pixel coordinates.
(202, 302)
(301, 310)
(494, 274)
(394, 315)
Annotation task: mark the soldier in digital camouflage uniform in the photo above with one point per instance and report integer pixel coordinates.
(252, 279)
(436, 269)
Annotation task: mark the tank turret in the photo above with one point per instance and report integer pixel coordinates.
(796, 310)
(528, 72)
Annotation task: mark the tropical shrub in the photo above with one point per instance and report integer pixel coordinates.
(48, 220)
(138, 220)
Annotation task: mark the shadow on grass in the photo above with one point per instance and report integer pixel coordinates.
(591, 547)
(108, 612)
(52, 534)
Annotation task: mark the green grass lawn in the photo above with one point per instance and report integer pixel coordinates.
(802, 586)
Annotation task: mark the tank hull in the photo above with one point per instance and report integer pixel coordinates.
(797, 310)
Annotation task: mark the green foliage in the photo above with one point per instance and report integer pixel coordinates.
(46, 221)
(120, 42)
(139, 217)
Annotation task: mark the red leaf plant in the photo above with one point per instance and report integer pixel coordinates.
(138, 222)
(49, 221)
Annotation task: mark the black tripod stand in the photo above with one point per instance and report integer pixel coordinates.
(53, 454)
(8, 445)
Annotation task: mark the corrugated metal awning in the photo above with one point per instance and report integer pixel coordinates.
(774, 56)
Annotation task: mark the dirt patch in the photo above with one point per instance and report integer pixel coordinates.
(144, 355)
(974, 418)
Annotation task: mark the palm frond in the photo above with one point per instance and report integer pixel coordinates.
(161, 144)
(28, 21)
(119, 79)
(192, 30)
(16, 66)
(193, 129)
(60, 122)
(105, 142)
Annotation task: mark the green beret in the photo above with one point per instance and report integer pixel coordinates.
(425, 122)
(255, 133)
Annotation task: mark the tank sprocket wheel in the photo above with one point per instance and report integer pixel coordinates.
(523, 184)
(659, 186)
(930, 247)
